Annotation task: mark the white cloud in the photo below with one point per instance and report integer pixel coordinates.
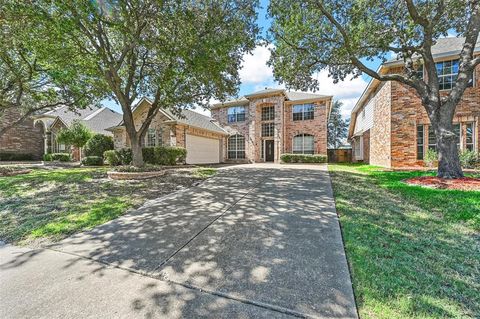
(254, 67)
(255, 71)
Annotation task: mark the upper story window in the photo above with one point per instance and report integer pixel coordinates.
(303, 112)
(236, 114)
(447, 72)
(268, 129)
(268, 113)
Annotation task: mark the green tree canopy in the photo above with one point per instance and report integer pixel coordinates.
(342, 36)
(337, 126)
(31, 78)
(178, 53)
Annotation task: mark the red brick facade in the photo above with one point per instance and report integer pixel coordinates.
(23, 138)
(397, 113)
(285, 128)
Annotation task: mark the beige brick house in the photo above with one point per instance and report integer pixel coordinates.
(389, 127)
(199, 134)
(255, 128)
(265, 124)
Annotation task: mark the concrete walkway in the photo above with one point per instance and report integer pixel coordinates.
(256, 241)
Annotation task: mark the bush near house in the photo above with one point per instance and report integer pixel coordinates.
(16, 157)
(111, 158)
(303, 158)
(469, 159)
(164, 155)
(61, 157)
(161, 155)
(98, 145)
(92, 161)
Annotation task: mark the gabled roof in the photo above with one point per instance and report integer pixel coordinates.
(289, 96)
(195, 119)
(443, 48)
(187, 117)
(95, 118)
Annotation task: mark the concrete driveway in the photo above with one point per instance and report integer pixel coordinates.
(256, 241)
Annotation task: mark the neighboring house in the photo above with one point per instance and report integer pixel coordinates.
(389, 126)
(37, 135)
(199, 134)
(265, 124)
(24, 140)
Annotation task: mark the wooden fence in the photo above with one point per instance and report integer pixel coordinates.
(340, 155)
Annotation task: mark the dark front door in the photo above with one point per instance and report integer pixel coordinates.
(269, 151)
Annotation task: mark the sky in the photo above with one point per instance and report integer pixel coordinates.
(256, 75)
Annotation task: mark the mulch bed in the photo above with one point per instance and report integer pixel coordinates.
(13, 172)
(464, 184)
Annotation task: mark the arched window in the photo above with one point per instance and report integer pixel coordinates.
(236, 147)
(303, 144)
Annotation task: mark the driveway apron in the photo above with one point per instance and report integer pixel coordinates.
(263, 239)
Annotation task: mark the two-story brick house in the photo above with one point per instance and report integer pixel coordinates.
(389, 126)
(265, 124)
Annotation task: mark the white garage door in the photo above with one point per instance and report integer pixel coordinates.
(201, 150)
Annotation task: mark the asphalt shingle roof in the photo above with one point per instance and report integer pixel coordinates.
(447, 46)
(95, 118)
(195, 119)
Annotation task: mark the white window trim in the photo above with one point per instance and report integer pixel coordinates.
(303, 143)
(303, 111)
(474, 82)
(236, 113)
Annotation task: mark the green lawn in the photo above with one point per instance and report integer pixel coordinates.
(47, 205)
(414, 252)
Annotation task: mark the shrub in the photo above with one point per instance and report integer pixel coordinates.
(468, 159)
(62, 157)
(16, 157)
(47, 157)
(303, 158)
(92, 161)
(111, 158)
(125, 156)
(169, 155)
(149, 155)
(430, 157)
(98, 144)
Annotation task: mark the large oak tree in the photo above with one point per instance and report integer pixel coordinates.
(31, 80)
(177, 53)
(342, 36)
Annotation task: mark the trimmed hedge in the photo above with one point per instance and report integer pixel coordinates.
(92, 161)
(162, 155)
(16, 157)
(111, 158)
(61, 157)
(98, 145)
(303, 158)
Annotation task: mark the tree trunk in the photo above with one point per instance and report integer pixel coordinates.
(448, 159)
(137, 156)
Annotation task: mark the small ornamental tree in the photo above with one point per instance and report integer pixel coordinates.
(337, 127)
(343, 36)
(76, 135)
(178, 53)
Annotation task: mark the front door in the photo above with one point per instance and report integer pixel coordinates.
(269, 151)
